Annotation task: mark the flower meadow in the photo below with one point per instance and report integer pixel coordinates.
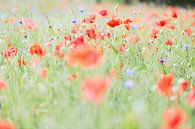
(93, 66)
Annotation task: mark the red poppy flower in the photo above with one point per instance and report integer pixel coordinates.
(188, 31)
(72, 77)
(84, 56)
(182, 87)
(122, 47)
(68, 38)
(93, 89)
(35, 62)
(134, 39)
(154, 33)
(174, 14)
(169, 43)
(44, 73)
(6, 125)
(36, 49)
(103, 13)
(172, 27)
(124, 35)
(91, 33)
(10, 52)
(78, 41)
(114, 22)
(162, 23)
(127, 26)
(59, 54)
(173, 118)
(164, 84)
(108, 35)
(58, 48)
(101, 35)
(193, 23)
(154, 15)
(2, 85)
(127, 21)
(75, 29)
(191, 97)
(90, 19)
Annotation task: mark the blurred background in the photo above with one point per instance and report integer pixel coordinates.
(159, 2)
(182, 3)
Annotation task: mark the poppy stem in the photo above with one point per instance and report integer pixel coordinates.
(193, 111)
(163, 68)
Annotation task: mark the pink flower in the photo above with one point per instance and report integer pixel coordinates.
(29, 24)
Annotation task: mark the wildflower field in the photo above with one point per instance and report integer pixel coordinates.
(96, 66)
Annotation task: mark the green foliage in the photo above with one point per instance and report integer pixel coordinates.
(55, 102)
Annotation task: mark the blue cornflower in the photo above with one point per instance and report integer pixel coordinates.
(81, 10)
(129, 84)
(187, 47)
(130, 72)
(20, 21)
(135, 27)
(74, 20)
(162, 60)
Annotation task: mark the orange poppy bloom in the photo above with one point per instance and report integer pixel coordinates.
(36, 49)
(164, 84)
(10, 20)
(93, 89)
(84, 56)
(21, 62)
(6, 125)
(191, 97)
(173, 118)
